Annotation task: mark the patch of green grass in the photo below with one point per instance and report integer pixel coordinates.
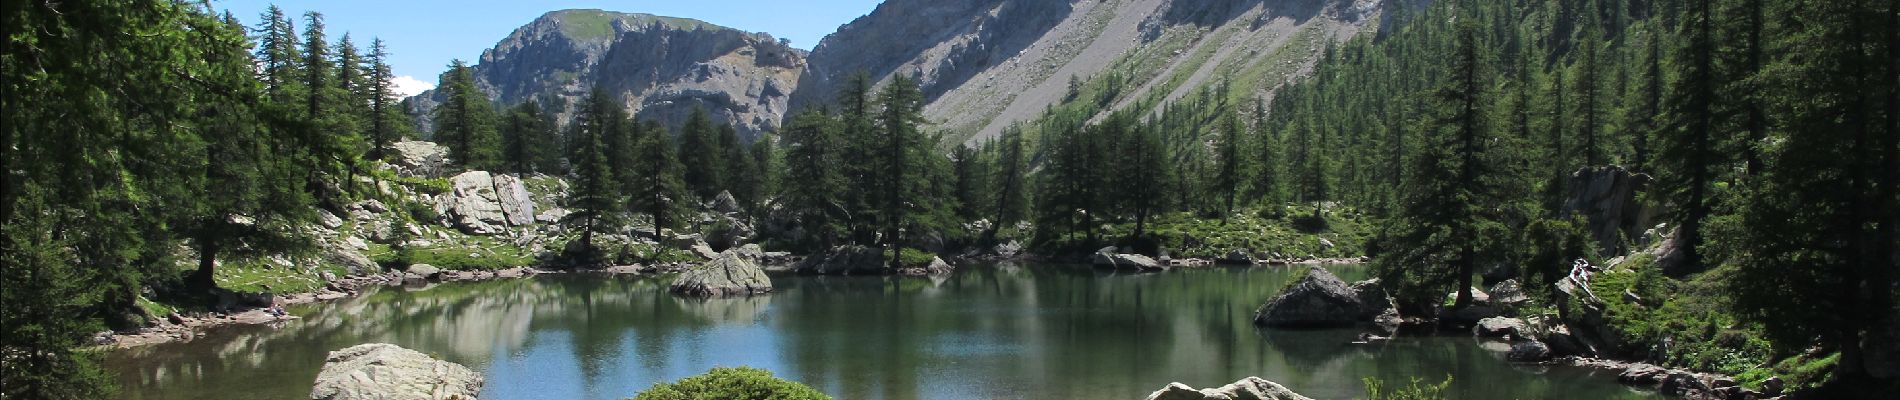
(467, 253)
(264, 276)
(731, 383)
(1686, 321)
(1187, 236)
(910, 257)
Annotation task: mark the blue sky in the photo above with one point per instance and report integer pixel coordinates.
(423, 35)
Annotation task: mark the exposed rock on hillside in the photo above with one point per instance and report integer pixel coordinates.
(1607, 199)
(1251, 388)
(387, 372)
(661, 67)
(485, 204)
(987, 64)
(419, 159)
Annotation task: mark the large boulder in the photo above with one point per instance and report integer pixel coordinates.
(725, 203)
(419, 159)
(472, 205)
(845, 260)
(1251, 388)
(517, 205)
(937, 266)
(730, 274)
(1528, 351)
(1499, 327)
(383, 371)
(1237, 257)
(1319, 299)
(350, 259)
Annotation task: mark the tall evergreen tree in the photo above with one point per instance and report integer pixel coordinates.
(701, 154)
(595, 200)
(525, 133)
(464, 121)
(386, 120)
(902, 112)
(1690, 149)
(815, 170)
(659, 189)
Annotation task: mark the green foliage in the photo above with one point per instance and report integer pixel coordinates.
(465, 122)
(910, 257)
(741, 383)
(1418, 390)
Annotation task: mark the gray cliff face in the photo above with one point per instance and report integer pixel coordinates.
(660, 67)
(941, 43)
(983, 65)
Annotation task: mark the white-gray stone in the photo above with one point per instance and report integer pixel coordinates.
(1251, 388)
(380, 371)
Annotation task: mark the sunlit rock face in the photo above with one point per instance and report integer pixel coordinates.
(383, 371)
(658, 68)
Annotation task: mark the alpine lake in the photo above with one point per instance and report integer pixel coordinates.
(1003, 330)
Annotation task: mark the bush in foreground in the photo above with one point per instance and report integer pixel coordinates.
(742, 383)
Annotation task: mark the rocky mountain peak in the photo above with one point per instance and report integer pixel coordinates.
(661, 67)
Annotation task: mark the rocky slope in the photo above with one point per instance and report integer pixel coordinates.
(661, 67)
(983, 64)
(987, 64)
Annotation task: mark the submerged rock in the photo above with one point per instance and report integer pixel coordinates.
(1251, 388)
(1317, 300)
(383, 371)
(730, 274)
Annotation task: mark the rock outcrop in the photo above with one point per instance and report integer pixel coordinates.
(380, 371)
(845, 260)
(418, 159)
(730, 274)
(484, 204)
(662, 67)
(1251, 388)
(1608, 199)
(1318, 300)
(1109, 258)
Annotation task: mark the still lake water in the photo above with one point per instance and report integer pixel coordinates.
(989, 331)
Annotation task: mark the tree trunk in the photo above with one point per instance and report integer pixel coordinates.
(205, 278)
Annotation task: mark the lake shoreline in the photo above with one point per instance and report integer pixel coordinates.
(180, 328)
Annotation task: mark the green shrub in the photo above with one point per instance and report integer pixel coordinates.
(910, 257)
(742, 383)
(1376, 390)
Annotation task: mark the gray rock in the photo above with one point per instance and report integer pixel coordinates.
(1528, 351)
(1319, 299)
(1497, 327)
(937, 266)
(845, 260)
(725, 203)
(1251, 388)
(1108, 258)
(329, 220)
(350, 259)
(1237, 257)
(1608, 198)
(1374, 298)
(517, 205)
(730, 274)
(1508, 293)
(419, 159)
(425, 271)
(380, 371)
(473, 206)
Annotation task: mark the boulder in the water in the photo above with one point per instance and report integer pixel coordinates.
(1251, 388)
(1528, 351)
(1318, 300)
(383, 371)
(729, 274)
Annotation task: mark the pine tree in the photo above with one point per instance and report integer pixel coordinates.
(1011, 194)
(1227, 176)
(525, 133)
(386, 119)
(1818, 253)
(595, 199)
(813, 165)
(1689, 147)
(902, 111)
(701, 154)
(659, 189)
(464, 121)
(1442, 232)
(1267, 185)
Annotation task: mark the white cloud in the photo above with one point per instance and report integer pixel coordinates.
(409, 86)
